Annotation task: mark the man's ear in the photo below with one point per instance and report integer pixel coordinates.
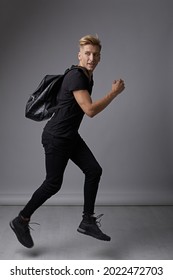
(79, 55)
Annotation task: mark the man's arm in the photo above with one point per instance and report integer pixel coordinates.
(91, 108)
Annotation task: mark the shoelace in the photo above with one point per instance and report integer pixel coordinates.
(28, 227)
(98, 220)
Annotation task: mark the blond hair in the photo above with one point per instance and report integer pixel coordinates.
(90, 40)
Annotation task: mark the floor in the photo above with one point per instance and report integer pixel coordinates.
(144, 232)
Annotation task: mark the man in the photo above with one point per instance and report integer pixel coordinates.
(62, 142)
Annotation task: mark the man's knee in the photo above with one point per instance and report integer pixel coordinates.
(95, 171)
(99, 171)
(51, 187)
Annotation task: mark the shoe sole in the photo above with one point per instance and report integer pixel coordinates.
(90, 234)
(13, 228)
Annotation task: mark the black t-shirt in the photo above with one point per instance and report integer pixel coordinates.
(66, 121)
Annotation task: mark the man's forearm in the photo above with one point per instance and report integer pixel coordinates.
(97, 106)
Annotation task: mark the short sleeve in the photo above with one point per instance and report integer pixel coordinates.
(77, 80)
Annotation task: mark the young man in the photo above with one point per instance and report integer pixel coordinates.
(62, 142)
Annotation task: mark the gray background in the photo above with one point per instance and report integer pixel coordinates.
(132, 139)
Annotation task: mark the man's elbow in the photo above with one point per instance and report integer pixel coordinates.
(90, 113)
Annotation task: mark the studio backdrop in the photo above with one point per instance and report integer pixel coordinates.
(132, 138)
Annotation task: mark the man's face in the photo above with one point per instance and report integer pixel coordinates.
(89, 57)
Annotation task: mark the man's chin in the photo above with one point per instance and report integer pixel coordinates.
(91, 68)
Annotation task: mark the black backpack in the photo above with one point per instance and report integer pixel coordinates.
(43, 102)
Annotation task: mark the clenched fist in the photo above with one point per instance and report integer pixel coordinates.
(118, 86)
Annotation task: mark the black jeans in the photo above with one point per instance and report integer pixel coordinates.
(57, 153)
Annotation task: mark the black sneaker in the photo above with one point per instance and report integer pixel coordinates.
(22, 230)
(90, 226)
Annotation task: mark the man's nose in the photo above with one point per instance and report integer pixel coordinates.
(91, 57)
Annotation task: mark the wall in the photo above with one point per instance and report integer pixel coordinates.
(132, 139)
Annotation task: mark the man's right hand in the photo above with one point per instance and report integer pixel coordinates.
(118, 86)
